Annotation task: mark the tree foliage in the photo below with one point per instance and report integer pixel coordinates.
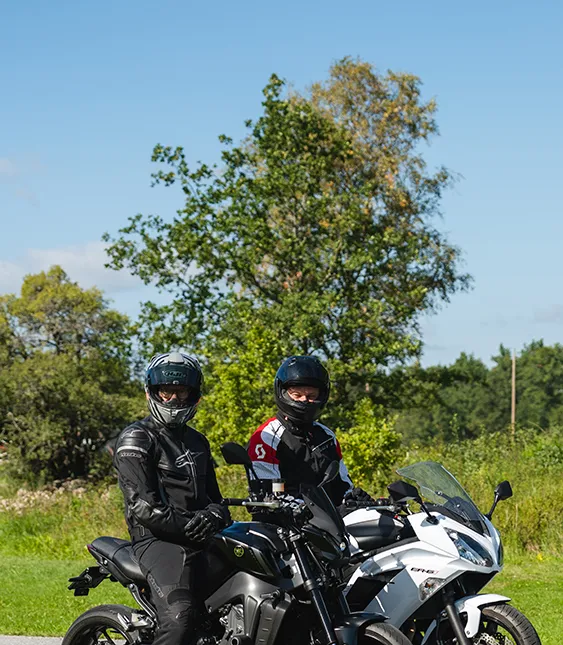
(468, 399)
(320, 225)
(66, 377)
(371, 446)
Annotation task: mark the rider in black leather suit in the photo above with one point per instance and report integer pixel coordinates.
(172, 499)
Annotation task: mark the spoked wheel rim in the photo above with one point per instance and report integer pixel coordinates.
(494, 633)
(104, 635)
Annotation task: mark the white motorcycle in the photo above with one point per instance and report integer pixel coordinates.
(424, 570)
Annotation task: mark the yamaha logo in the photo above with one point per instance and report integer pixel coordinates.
(238, 551)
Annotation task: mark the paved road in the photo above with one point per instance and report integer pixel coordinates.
(29, 640)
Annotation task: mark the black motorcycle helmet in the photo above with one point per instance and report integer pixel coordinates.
(173, 368)
(301, 370)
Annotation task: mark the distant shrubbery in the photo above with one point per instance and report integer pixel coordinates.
(58, 524)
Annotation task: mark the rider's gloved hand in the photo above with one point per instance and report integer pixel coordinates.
(359, 495)
(204, 524)
(289, 501)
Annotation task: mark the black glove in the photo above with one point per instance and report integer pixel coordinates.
(359, 495)
(204, 524)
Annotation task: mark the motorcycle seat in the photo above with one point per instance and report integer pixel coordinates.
(374, 534)
(118, 552)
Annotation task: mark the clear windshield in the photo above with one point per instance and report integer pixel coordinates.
(441, 489)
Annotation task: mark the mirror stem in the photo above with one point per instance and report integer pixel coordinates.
(431, 518)
(489, 515)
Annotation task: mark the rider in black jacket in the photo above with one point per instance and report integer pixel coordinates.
(293, 445)
(172, 499)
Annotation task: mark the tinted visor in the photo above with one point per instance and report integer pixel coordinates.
(174, 374)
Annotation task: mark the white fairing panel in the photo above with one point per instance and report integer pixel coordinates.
(425, 565)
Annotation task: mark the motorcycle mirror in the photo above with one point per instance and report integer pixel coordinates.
(331, 472)
(401, 491)
(503, 491)
(235, 454)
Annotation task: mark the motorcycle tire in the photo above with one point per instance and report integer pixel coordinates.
(384, 634)
(509, 619)
(100, 625)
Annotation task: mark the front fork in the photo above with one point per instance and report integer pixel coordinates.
(311, 584)
(454, 617)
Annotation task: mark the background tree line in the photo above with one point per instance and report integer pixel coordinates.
(316, 234)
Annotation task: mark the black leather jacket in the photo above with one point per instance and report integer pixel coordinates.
(165, 476)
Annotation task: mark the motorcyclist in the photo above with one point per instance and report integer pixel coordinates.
(172, 499)
(293, 445)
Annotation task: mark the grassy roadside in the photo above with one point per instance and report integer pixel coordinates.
(536, 589)
(34, 600)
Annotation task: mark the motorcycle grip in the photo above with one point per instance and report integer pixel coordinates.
(234, 501)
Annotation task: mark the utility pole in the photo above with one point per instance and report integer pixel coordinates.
(513, 409)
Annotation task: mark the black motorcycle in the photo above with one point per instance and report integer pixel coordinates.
(264, 583)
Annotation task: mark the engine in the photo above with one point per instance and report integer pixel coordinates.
(232, 620)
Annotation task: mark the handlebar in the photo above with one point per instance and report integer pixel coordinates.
(351, 503)
(232, 501)
(246, 501)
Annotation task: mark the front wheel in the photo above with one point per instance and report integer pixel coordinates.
(505, 625)
(384, 634)
(101, 626)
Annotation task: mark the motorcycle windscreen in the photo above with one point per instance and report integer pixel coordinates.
(325, 515)
(441, 489)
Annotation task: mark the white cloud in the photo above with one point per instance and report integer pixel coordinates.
(7, 167)
(16, 176)
(10, 277)
(83, 263)
(549, 315)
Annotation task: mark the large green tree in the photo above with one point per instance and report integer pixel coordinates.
(320, 225)
(66, 375)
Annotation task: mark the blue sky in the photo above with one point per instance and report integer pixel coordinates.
(87, 89)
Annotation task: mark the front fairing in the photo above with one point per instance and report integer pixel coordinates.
(437, 539)
(405, 577)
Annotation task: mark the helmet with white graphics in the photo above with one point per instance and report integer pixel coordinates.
(173, 383)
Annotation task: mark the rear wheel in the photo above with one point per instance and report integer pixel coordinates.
(101, 626)
(384, 634)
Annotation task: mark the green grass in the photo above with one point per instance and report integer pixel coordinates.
(536, 589)
(34, 599)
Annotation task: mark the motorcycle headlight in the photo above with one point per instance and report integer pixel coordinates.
(469, 549)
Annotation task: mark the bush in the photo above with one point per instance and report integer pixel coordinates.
(371, 447)
(58, 522)
(61, 417)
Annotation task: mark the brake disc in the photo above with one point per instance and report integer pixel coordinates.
(491, 639)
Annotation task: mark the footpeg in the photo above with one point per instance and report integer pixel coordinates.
(138, 621)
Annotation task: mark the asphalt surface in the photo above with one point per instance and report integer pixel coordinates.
(29, 640)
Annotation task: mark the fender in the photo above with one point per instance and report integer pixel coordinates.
(470, 606)
(347, 626)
